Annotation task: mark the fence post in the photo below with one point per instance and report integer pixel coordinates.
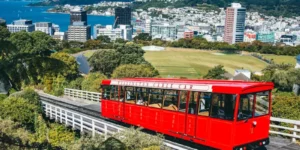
(66, 118)
(60, 112)
(81, 124)
(294, 133)
(73, 121)
(93, 128)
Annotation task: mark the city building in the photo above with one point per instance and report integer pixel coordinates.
(126, 32)
(188, 34)
(265, 37)
(79, 32)
(2, 22)
(164, 31)
(148, 24)
(59, 36)
(45, 27)
(112, 33)
(288, 39)
(56, 27)
(78, 15)
(122, 32)
(235, 23)
(249, 36)
(20, 25)
(122, 16)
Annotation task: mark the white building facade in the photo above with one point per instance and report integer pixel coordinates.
(21, 25)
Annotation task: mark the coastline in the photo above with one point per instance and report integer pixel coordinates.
(87, 14)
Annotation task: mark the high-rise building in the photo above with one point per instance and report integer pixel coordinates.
(20, 25)
(122, 32)
(234, 24)
(122, 16)
(78, 15)
(45, 27)
(164, 31)
(148, 24)
(2, 22)
(79, 32)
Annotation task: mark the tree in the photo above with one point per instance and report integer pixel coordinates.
(103, 38)
(131, 71)
(19, 110)
(76, 84)
(131, 54)
(92, 82)
(70, 70)
(42, 43)
(92, 44)
(119, 40)
(105, 61)
(216, 73)
(143, 37)
(23, 41)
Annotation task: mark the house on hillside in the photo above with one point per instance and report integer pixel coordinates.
(239, 74)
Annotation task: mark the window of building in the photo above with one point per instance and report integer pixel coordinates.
(170, 100)
(156, 98)
(183, 100)
(246, 106)
(223, 106)
(262, 103)
(130, 95)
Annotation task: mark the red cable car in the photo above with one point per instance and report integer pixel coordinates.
(219, 114)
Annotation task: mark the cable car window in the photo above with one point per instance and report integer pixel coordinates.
(114, 93)
(142, 96)
(246, 106)
(122, 93)
(106, 92)
(183, 98)
(262, 103)
(204, 104)
(130, 95)
(170, 100)
(156, 98)
(223, 106)
(192, 107)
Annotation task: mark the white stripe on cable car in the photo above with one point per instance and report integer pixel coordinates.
(177, 86)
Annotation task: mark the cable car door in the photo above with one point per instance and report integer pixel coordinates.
(191, 114)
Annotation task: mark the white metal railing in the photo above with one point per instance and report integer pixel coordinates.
(292, 132)
(89, 124)
(93, 96)
(85, 95)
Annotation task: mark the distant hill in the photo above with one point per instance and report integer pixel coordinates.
(268, 7)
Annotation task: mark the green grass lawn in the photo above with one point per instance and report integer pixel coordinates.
(281, 59)
(196, 63)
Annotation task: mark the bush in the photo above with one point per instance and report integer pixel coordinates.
(76, 84)
(19, 110)
(92, 82)
(286, 105)
(132, 71)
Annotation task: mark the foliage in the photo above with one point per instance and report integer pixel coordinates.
(106, 61)
(92, 44)
(113, 143)
(76, 84)
(137, 140)
(286, 105)
(143, 37)
(19, 110)
(132, 71)
(86, 143)
(70, 70)
(30, 96)
(59, 134)
(216, 73)
(103, 38)
(92, 82)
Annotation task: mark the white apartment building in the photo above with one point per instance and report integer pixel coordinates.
(148, 25)
(122, 32)
(20, 25)
(164, 31)
(45, 27)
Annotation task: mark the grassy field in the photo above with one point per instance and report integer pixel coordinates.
(189, 63)
(281, 59)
